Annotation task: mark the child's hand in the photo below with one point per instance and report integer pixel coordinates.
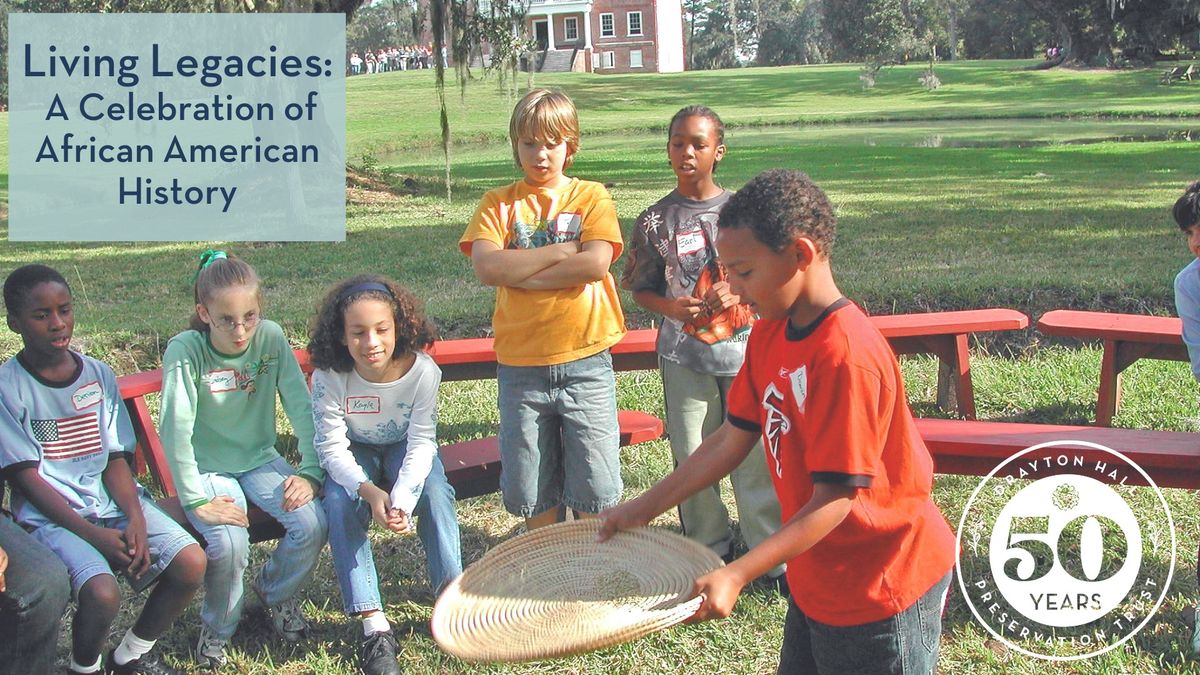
(297, 492)
(686, 309)
(136, 541)
(112, 545)
(398, 521)
(720, 588)
(222, 510)
(377, 499)
(623, 517)
(3, 569)
(720, 298)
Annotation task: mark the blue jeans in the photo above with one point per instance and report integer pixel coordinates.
(349, 518)
(559, 438)
(164, 537)
(228, 551)
(33, 603)
(903, 644)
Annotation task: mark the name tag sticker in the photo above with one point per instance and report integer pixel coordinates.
(689, 243)
(362, 405)
(222, 380)
(87, 396)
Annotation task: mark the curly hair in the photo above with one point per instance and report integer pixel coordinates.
(779, 205)
(1187, 207)
(21, 282)
(325, 347)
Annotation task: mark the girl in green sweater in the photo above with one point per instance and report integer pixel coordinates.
(218, 430)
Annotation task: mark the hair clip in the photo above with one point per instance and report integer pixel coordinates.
(207, 259)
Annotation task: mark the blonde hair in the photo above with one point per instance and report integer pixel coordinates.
(545, 115)
(217, 275)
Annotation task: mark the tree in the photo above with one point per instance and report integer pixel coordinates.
(869, 30)
(793, 32)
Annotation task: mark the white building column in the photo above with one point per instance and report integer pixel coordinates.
(550, 30)
(587, 28)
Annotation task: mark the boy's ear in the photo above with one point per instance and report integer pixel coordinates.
(719, 154)
(12, 324)
(806, 251)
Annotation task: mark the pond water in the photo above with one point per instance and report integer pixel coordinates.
(1018, 133)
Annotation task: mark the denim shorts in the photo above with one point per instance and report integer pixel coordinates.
(165, 538)
(559, 439)
(905, 643)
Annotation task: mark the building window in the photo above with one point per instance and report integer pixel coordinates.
(608, 60)
(607, 25)
(634, 19)
(571, 28)
(635, 58)
(595, 60)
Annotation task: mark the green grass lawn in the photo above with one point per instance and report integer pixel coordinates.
(973, 195)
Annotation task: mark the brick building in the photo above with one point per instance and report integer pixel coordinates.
(609, 36)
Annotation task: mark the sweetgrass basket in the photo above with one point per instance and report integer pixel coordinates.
(555, 591)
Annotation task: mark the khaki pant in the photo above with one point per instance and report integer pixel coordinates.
(696, 406)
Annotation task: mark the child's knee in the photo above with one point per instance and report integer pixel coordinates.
(188, 567)
(311, 527)
(100, 597)
(228, 550)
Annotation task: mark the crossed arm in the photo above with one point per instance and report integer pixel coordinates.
(562, 265)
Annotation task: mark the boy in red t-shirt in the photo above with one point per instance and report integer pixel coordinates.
(868, 553)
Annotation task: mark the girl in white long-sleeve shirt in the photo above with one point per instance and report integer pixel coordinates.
(375, 411)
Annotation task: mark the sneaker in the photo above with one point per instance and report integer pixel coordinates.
(210, 649)
(289, 620)
(149, 663)
(378, 654)
(287, 617)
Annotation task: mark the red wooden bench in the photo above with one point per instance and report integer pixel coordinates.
(973, 448)
(1126, 338)
(473, 466)
(944, 334)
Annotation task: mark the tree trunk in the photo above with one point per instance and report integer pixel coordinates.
(733, 28)
(952, 30)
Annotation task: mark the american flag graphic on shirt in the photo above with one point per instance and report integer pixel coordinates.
(69, 437)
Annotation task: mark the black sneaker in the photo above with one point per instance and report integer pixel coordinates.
(149, 664)
(378, 655)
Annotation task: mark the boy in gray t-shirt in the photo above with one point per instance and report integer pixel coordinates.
(672, 269)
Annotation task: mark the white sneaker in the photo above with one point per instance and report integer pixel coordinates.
(210, 649)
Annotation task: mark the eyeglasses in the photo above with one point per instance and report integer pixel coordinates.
(229, 325)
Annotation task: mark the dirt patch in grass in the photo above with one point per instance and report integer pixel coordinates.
(367, 187)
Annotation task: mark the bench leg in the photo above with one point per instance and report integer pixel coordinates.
(954, 390)
(1109, 396)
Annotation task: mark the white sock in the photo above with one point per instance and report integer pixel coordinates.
(94, 668)
(375, 623)
(132, 647)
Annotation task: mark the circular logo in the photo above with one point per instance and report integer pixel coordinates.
(1060, 556)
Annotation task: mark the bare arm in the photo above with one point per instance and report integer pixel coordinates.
(54, 506)
(828, 507)
(495, 266)
(685, 308)
(716, 457)
(590, 264)
(118, 480)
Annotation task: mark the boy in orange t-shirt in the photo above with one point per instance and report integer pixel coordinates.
(868, 553)
(546, 243)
